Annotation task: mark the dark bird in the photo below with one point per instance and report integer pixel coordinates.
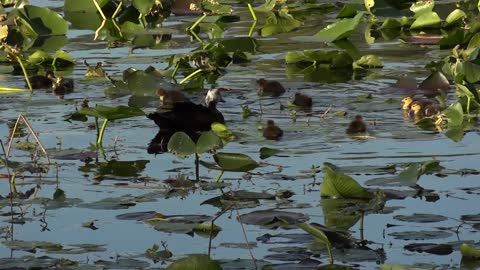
(302, 100)
(272, 132)
(357, 126)
(270, 88)
(62, 85)
(190, 117)
(42, 81)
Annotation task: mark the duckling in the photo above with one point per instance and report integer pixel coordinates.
(357, 126)
(41, 81)
(62, 85)
(96, 71)
(272, 132)
(189, 117)
(418, 110)
(270, 88)
(409, 100)
(302, 100)
(169, 97)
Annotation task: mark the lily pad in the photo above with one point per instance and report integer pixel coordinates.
(339, 30)
(420, 235)
(339, 185)
(195, 262)
(272, 218)
(420, 218)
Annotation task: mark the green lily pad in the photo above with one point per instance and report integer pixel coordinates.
(427, 20)
(272, 218)
(279, 22)
(339, 30)
(420, 235)
(468, 251)
(454, 114)
(195, 262)
(454, 17)
(208, 141)
(420, 218)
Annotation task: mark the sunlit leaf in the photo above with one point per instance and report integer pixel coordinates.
(427, 20)
(347, 11)
(454, 114)
(208, 141)
(45, 21)
(143, 6)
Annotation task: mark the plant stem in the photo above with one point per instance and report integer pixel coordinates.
(198, 21)
(117, 10)
(102, 131)
(254, 16)
(99, 9)
(197, 167)
(190, 76)
(361, 227)
(252, 28)
(24, 73)
(219, 176)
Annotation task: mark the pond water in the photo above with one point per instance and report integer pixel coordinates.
(309, 141)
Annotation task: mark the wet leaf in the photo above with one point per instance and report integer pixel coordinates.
(420, 218)
(437, 249)
(317, 234)
(408, 177)
(339, 30)
(369, 61)
(420, 235)
(143, 6)
(235, 162)
(427, 20)
(83, 6)
(279, 22)
(338, 185)
(62, 58)
(347, 11)
(39, 57)
(272, 218)
(195, 262)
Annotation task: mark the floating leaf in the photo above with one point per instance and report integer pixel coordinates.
(347, 11)
(272, 218)
(420, 218)
(195, 262)
(143, 6)
(369, 61)
(339, 185)
(39, 57)
(266, 152)
(279, 22)
(420, 235)
(112, 113)
(63, 58)
(454, 114)
(235, 162)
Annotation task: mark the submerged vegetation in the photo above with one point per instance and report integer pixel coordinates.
(358, 216)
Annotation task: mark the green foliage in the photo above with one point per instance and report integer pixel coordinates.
(112, 113)
(339, 30)
(194, 262)
(339, 185)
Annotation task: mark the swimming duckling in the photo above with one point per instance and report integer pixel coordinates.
(270, 88)
(272, 131)
(62, 85)
(302, 100)
(357, 126)
(419, 110)
(416, 111)
(189, 117)
(408, 100)
(96, 71)
(169, 97)
(41, 81)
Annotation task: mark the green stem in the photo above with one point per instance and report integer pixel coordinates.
(196, 37)
(219, 176)
(97, 127)
(102, 152)
(117, 10)
(198, 21)
(99, 9)
(252, 28)
(330, 255)
(254, 16)
(140, 20)
(190, 76)
(24, 73)
(468, 105)
(12, 185)
(102, 131)
(177, 66)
